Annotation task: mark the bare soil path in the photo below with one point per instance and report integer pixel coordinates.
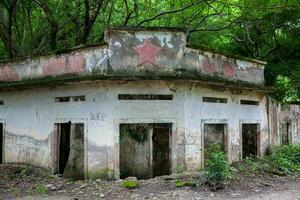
(23, 182)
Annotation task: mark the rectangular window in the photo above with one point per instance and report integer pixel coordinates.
(249, 102)
(214, 100)
(1, 102)
(70, 98)
(145, 97)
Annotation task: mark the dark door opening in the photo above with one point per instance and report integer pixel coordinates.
(285, 133)
(215, 134)
(1, 142)
(70, 150)
(64, 146)
(134, 151)
(145, 150)
(250, 140)
(215, 138)
(161, 149)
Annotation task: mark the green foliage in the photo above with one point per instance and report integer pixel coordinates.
(217, 169)
(284, 160)
(286, 90)
(262, 29)
(24, 171)
(138, 133)
(41, 189)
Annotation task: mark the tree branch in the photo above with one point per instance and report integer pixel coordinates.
(171, 12)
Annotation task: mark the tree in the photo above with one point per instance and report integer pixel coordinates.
(261, 29)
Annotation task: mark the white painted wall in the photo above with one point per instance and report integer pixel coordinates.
(33, 113)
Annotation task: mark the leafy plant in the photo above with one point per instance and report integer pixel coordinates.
(217, 169)
(283, 160)
(286, 159)
(286, 90)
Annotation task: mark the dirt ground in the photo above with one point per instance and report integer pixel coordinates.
(25, 182)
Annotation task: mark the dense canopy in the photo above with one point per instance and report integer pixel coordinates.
(267, 30)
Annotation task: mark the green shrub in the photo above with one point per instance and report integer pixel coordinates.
(286, 159)
(283, 160)
(217, 169)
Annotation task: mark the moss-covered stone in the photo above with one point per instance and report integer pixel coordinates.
(130, 183)
(179, 183)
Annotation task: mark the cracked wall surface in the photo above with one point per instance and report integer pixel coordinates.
(148, 54)
(279, 114)
(30, 115)
(133, 61)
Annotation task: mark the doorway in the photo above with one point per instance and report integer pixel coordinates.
(70, 150)
(250, 140)
(215, 134)
(285, 133)
(1, 142)
(145, 150)
(161, 149)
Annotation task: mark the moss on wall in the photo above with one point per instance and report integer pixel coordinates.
(177, 74)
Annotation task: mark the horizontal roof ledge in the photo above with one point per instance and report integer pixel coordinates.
(139, 52)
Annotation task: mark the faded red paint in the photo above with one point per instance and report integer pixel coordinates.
(75, 63)
(229, 70)
(55, 66)
(64, 65)
(8, 73)
(208, 66)
(147, 52)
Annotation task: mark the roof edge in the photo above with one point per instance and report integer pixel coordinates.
(238, 57)
(145, 28)
(52, 53)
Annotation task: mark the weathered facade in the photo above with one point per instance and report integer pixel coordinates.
(284, 124)
(143, 104)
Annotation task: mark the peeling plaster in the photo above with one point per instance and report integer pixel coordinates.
(120, 55)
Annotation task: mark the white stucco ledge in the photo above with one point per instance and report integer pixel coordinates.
(134, 54)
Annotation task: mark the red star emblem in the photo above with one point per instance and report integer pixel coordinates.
(229, 71)
(147, 52)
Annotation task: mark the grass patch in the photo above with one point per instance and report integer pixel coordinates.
(15, 191)
(41, 189)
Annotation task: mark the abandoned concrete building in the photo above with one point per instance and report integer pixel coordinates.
(143, 104)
